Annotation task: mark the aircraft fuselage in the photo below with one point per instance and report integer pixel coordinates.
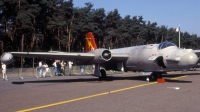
(149, 58)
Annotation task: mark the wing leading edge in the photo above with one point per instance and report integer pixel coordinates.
(77, 57)
(93, 57)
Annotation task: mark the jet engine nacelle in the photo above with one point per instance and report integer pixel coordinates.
(101, 55)
(7, 58)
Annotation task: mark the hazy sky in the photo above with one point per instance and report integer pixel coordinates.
(170, 13)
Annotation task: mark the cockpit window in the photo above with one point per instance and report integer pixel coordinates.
(165, 45)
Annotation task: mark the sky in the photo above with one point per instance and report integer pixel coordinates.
(170, 13)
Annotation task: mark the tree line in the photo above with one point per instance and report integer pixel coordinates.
(44, 25)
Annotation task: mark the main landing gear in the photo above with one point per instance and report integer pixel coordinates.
(103, 74)
(154, 76)
(100, 72)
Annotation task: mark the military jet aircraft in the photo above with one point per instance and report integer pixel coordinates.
(155, 58)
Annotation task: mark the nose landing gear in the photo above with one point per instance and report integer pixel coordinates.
(154, 76)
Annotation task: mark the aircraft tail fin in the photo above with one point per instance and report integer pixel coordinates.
(90, 42)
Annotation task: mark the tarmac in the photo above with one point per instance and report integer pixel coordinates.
(121, 92)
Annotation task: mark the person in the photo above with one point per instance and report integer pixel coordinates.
(70, 67)
(55, 68)
(58, 67)
(82, 69)
(63, 67)
(3, 66)
(45, 69)
(40, 68)
(93, 68)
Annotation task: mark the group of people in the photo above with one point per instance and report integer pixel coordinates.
(59, 67)
(44, 68)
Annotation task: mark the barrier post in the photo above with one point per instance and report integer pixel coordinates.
(20, 73)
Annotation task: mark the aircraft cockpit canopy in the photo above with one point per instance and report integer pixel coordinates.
(165, 45)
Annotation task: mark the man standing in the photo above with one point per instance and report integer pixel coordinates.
(82, 69)
(70, 67)
(41, 68)
(63, 67)
(55, 68)
(45, 69)
(58, 67)
(3, 66)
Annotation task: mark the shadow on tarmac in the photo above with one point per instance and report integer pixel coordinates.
(109, 78)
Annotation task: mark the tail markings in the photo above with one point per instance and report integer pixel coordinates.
(90, 43)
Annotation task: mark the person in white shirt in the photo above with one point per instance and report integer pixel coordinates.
(45, 69)
(63, 67)
(40, 68)
(3, 67)
(70, 67)
(55, 68)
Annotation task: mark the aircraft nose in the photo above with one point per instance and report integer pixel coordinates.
(189, 60)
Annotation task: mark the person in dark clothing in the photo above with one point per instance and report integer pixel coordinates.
(58, 67)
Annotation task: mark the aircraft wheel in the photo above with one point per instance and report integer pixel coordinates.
(153, 77)
(159, 75)
(103, 74)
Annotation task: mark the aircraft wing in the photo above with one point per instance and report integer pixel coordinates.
(76, 57)
(54, 55)
(95, 56)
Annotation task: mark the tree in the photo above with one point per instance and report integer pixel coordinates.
(24, 23)
(7, 15)
(34, 11)
(41, 25)
(68, 18)
(80, 24)
(162, 32)
(112, 23)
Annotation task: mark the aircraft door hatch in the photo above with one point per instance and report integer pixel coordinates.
(160, 62)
